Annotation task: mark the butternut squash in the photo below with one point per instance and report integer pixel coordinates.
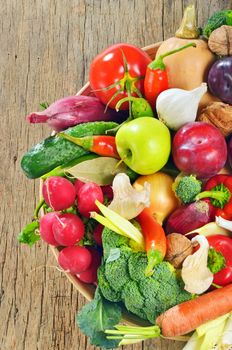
(187, 69)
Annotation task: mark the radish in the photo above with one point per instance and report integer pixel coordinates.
(86, 197)
(108, 192)
(68, 229)
(78, 184)
(45, 228)
(58, 193)
(97, 234)
(90, 275)
(75, 259)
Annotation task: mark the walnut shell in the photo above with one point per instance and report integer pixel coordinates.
(178, 248)
(220, 41)
(218, 114)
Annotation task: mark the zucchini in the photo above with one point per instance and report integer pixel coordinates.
(55, 151)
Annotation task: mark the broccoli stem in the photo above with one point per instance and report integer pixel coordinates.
(220, 196)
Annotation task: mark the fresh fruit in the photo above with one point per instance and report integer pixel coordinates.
(90, 275)
(68, 229)
(200, 149)
(144, 144)
(45, 228)
(118, 71)
(58, 193)
(219, 79)
(86, 197)
(75, 259)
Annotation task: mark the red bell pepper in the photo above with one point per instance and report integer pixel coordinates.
(102, 145)
(223, 245)
(219, 190)
(156, 78)
(155, 239)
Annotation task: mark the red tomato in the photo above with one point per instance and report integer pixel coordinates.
(222, 244)
(109, 67)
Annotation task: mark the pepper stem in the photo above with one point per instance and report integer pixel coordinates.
(188, 27)
(220, 196)
(158, 62)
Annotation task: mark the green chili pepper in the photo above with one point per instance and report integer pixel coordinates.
(140, 107)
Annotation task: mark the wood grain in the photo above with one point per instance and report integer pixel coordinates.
(46, 49)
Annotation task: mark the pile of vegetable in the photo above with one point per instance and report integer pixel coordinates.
(137, 190)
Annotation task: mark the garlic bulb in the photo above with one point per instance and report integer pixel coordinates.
(177, 107)
(127, 201)
(196, 275)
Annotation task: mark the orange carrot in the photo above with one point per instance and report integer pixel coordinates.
(186, 317)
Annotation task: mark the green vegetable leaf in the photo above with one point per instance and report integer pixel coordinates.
(100, 170)
(113, 255)
(30, 234)
(43, 105)
(96, 317)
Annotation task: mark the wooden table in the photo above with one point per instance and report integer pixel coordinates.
(46, 49)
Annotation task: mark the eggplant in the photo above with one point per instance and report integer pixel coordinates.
(220, 79)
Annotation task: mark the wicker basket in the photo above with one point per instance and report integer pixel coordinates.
(87, 290)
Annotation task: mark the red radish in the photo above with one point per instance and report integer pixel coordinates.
(108, 192)
(90, 275)
(45, 228)
(58, 193)
(75, 259)
(97, 234)
(68, 229)
(86, 197)
(78, 184)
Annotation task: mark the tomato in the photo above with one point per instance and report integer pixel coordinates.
(118, 71)
(222, 244)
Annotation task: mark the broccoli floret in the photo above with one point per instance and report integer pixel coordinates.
(116, 272)
(111, 239)
(187, 188)
(137, 264)
(217, 20)
(123, 279)
(133, 299)
(107, 291)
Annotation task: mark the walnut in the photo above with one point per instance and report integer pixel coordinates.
(220, 115)
(220, 41)
(178, 248)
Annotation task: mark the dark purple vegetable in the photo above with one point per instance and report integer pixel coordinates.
(73, 110)
(189, 217)
(220, 79)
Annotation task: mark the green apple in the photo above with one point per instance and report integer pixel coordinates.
(144, 144)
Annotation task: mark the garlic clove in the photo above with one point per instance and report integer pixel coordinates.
(195, 273)
(127, 201)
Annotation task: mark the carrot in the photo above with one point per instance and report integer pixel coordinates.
(186, 317)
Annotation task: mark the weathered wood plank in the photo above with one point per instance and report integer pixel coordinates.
(46, 49)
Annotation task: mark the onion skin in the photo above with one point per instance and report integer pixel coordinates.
(162, 199)
(189, 217)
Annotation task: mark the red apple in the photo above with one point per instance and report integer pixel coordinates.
(199, 148)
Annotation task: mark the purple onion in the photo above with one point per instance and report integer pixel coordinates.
(73, 110)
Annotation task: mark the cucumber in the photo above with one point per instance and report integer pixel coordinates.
(55, 151)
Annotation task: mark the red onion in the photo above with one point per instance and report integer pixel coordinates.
(73, 110)
(189, 217)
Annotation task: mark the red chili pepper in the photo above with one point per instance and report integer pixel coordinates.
(102, 145)
(155, 240)
(219, 190)
(222, 244)
(156, 78)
